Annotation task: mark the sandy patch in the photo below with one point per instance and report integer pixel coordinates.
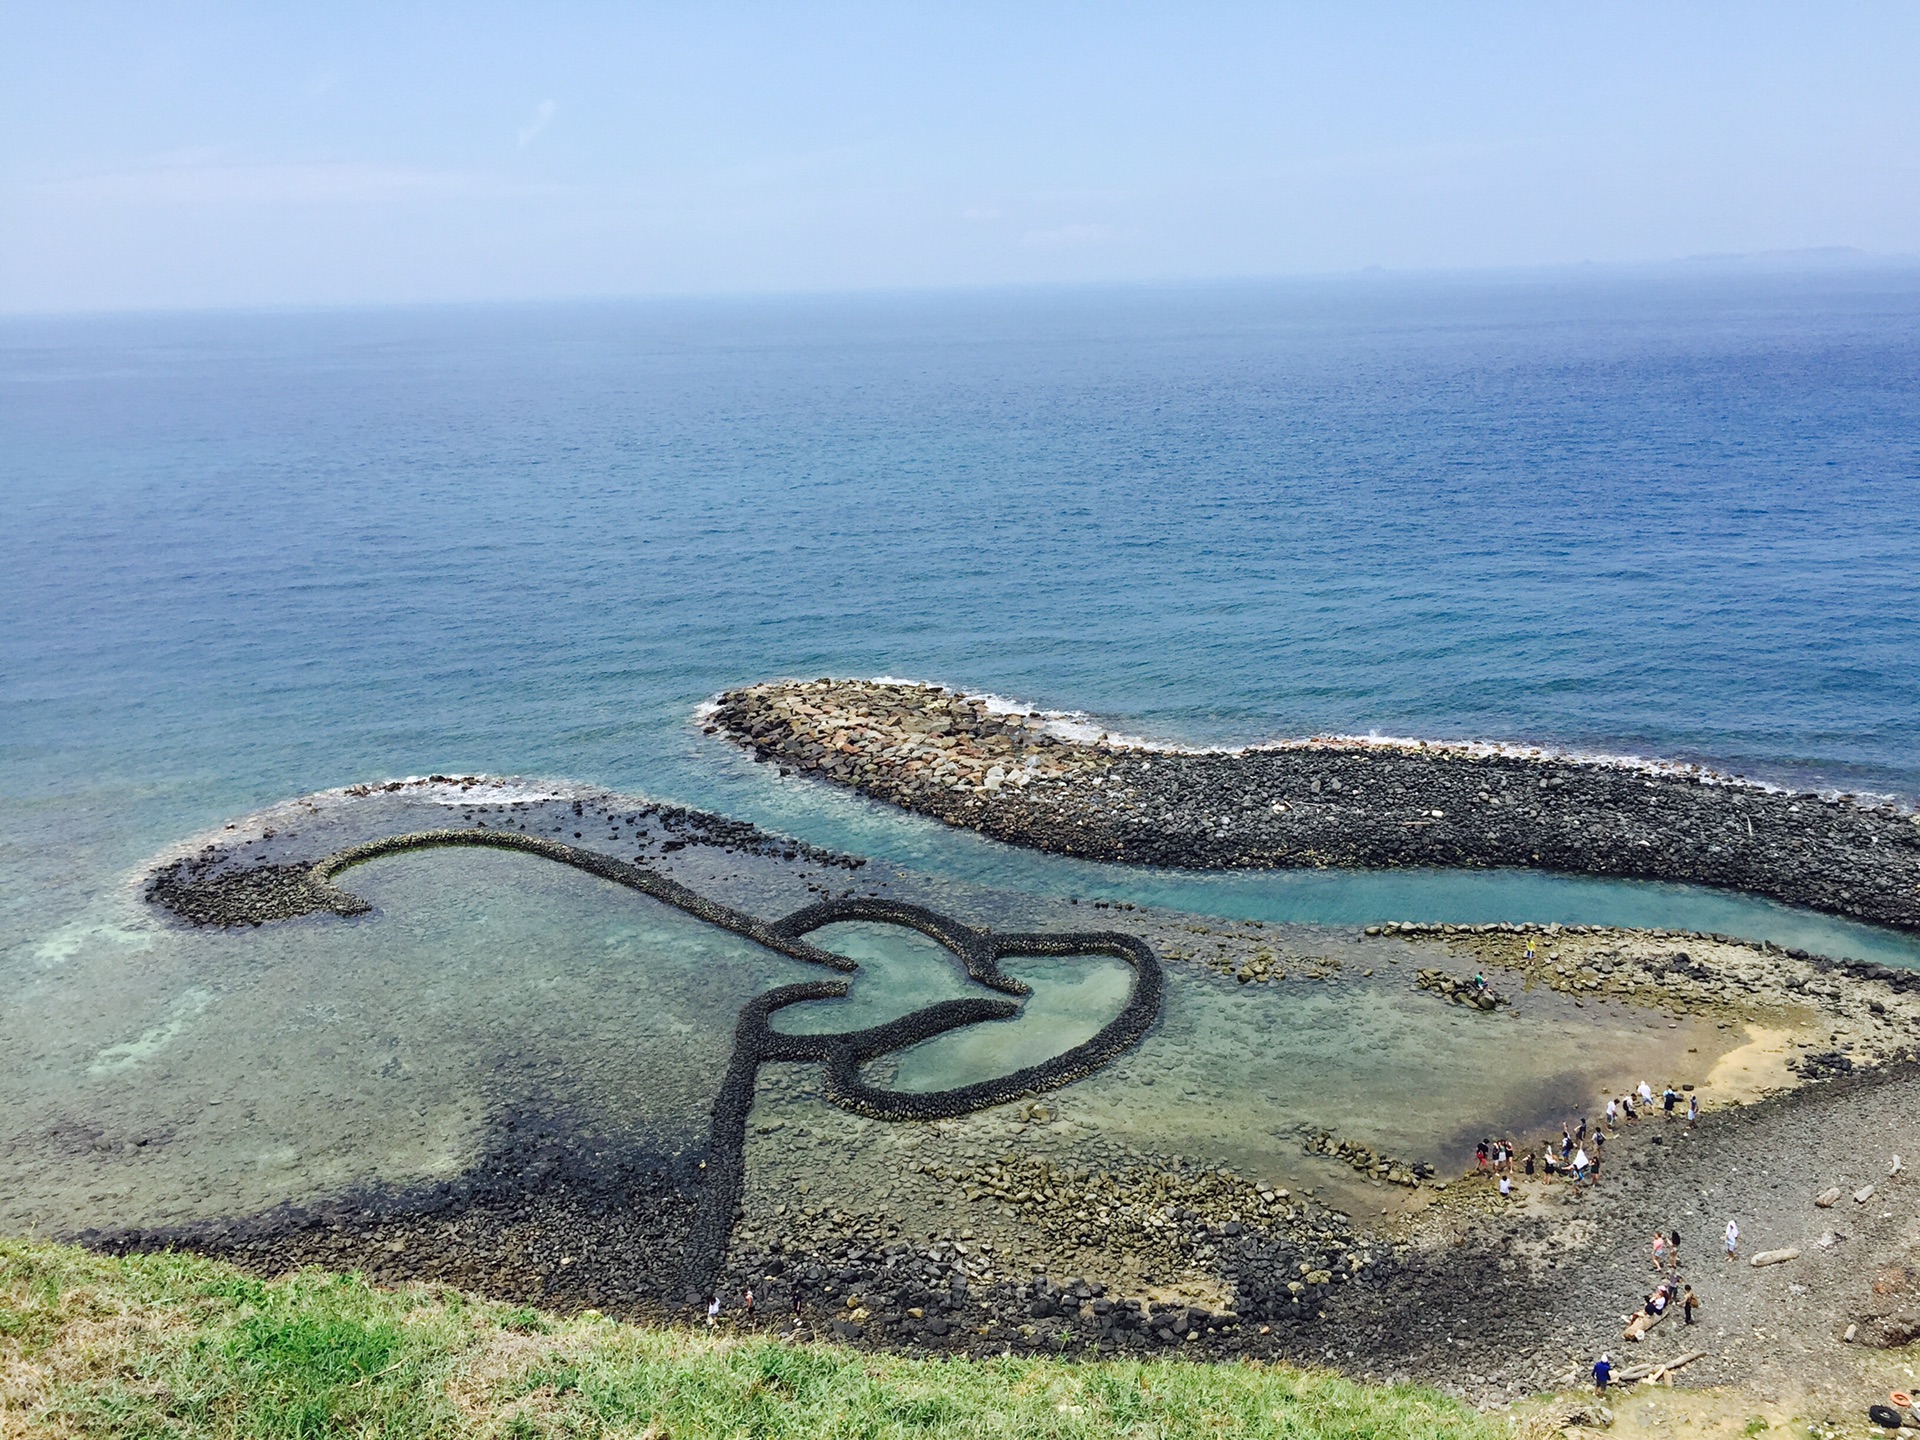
(1758, 1066)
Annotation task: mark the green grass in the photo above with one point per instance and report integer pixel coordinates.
(172, 1345)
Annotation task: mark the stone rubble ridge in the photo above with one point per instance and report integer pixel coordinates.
(919, 738)
(890, 723)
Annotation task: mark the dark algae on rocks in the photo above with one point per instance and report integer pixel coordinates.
(1019, 777)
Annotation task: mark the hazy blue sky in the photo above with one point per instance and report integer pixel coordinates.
(186, 155)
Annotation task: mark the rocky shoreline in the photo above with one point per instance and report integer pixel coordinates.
(1012, 775)
(977, 1230)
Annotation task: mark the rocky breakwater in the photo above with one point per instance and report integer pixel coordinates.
(1026, 779)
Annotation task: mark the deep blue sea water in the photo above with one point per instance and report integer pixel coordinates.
(1673, 513)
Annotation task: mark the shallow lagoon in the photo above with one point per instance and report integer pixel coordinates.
(164, 1075)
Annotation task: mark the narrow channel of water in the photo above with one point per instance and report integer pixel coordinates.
(840, 819)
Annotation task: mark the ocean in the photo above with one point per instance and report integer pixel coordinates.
(246, 557)
(1671, 513)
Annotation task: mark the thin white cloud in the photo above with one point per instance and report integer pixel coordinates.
(542, 117)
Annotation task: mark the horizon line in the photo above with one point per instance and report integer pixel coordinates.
(1815, 259)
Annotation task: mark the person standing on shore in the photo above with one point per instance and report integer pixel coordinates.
(1693, 1110)
(1602, 1373)
(1667, 1100)
(1733, 1239)
(1580, 1163)
(1673, 1252)
(1613, 1114)
(713, 1312)
(1645, 1093)
(1660, 1252)
(1688, 1304)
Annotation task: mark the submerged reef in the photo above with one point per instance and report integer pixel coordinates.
(282, 891)
(1021, 777)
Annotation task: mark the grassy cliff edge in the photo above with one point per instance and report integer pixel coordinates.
(174, 1345)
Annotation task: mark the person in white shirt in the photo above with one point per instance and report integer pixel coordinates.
(1733, 1238)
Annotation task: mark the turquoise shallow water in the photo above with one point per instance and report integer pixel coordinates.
(244, 558)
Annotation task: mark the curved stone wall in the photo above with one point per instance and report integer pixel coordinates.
(842, 1055)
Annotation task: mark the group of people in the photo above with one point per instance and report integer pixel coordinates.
(1580, 1152)
(1628, 1107)
(1669, 1293)
(1670, 1290)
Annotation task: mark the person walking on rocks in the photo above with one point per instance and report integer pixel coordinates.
(1688, 1304)
(1645, 1093)
(1660, 1252)
(1668, 1099)
(1693, 1110)
(1613, 1114)
(1626, 1108)
(1480, 1156)
(746, 1302)
(1602, 1373)
(713, 1312)
(1733, 1239)
(1673, 1252)
(1580, 1163)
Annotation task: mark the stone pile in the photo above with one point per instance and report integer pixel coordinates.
(1459, 991)
(1368, 1161)
(907, 740)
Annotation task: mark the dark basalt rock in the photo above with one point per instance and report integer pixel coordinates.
(1321, 804)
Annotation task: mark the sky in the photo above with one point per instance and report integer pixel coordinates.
(181, 155)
